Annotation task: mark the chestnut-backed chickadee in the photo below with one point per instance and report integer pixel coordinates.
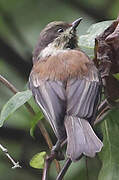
(66, 86)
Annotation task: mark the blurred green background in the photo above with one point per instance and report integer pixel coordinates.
(20, 25)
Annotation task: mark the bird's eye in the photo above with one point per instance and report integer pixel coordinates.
(60, 30)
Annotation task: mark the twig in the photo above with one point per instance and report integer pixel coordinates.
(8, 84)
(46, 169)
(64, 169)
(30, 109)
(48, 162)
(15, 164)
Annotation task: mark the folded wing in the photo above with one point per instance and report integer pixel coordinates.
(50, 96)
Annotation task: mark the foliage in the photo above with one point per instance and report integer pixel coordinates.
(116, 76)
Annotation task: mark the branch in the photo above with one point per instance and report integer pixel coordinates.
(64, 169)
(8, 84)
(48, 162)
(15, 164)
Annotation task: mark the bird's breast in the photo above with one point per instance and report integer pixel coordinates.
(69, 64)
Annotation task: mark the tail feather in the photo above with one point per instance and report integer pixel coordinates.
(81, 139)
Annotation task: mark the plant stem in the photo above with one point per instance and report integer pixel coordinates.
(48, 162)
(64, 169)
(8, 84)
(15, 164)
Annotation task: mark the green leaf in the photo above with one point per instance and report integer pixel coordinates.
(116, 76)
(110, 152)
(13, 104)
(87, 42)
(34, 122)
(38, 160)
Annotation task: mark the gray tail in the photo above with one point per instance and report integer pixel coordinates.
(81, 139)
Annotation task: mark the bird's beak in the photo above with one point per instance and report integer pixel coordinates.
(76, 23)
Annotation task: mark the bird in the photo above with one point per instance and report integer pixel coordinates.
(66, 86)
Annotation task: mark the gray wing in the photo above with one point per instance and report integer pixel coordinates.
(83, 96)
(50, 96)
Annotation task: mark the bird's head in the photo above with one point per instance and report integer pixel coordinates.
(57, 36)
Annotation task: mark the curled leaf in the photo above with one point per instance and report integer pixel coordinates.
(107, 60)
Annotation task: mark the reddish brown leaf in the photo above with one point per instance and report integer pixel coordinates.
(107, 59)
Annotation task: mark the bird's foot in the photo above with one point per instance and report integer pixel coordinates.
(57, 152)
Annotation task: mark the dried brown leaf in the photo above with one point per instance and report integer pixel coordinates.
(107, 59)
